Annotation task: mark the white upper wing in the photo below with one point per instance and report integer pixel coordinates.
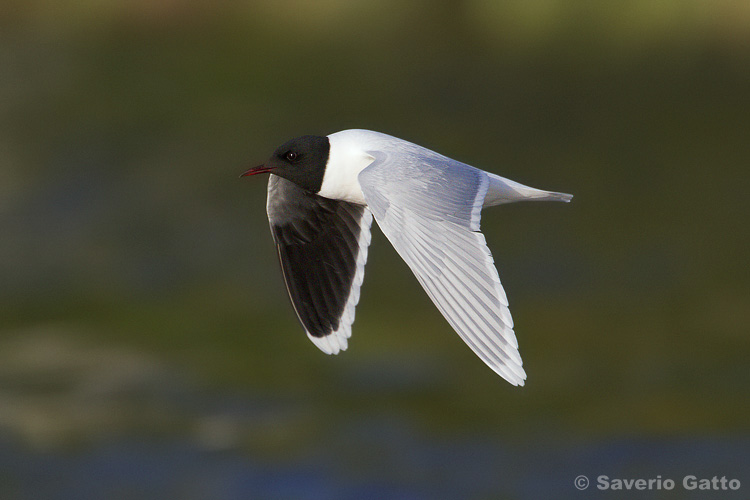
(429, 207)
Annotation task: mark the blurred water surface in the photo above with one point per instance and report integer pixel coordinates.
(99, 423)
(147, 348)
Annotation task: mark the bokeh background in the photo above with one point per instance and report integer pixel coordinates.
(147, 346)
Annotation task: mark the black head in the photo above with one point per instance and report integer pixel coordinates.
(302, 160)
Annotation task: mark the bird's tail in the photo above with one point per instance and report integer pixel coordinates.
(502, 190)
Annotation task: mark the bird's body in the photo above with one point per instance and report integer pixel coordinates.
(322, 196)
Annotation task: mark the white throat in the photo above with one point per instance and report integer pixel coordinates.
(346, 160)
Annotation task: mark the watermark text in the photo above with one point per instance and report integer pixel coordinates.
(689, 482)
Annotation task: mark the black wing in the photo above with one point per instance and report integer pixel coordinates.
(322, 246)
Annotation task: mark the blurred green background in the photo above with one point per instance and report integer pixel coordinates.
(140, 297)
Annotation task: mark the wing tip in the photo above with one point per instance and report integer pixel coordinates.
(332, 344)
(514, 375)
(512, 371)
(514, 378)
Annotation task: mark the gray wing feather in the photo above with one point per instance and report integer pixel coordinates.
(429, 207)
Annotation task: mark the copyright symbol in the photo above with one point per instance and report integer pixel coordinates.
(581, 482)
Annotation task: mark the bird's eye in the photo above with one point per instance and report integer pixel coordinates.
(290, 156)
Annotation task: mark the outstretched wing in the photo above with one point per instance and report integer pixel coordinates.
(429, 208)
(322, 246)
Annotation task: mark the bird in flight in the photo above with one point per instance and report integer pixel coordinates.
(323, 193)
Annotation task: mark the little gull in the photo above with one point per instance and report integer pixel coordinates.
(322, 195)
